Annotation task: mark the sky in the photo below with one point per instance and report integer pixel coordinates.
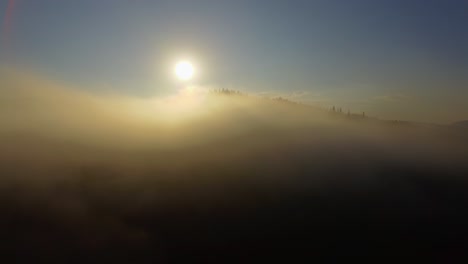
(400, 59)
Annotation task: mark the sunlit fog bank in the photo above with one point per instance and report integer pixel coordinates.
(32, 104)
(36, 111)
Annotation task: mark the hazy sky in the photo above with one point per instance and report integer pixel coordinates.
(405, 59)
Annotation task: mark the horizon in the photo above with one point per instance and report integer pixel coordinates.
(404, 60)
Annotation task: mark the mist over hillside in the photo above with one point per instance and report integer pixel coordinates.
(206, 177)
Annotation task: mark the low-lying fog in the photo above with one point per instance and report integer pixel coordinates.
(164, 178)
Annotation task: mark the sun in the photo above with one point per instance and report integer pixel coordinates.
(184, 70)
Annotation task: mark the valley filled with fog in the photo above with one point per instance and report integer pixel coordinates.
(226, 176)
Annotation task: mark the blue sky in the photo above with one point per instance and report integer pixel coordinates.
(367, 55)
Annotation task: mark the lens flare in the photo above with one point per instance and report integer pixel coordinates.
(7, 22)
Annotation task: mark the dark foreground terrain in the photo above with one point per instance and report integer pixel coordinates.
(247, 184)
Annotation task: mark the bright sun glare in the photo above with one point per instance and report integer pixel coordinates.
(184, 70)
